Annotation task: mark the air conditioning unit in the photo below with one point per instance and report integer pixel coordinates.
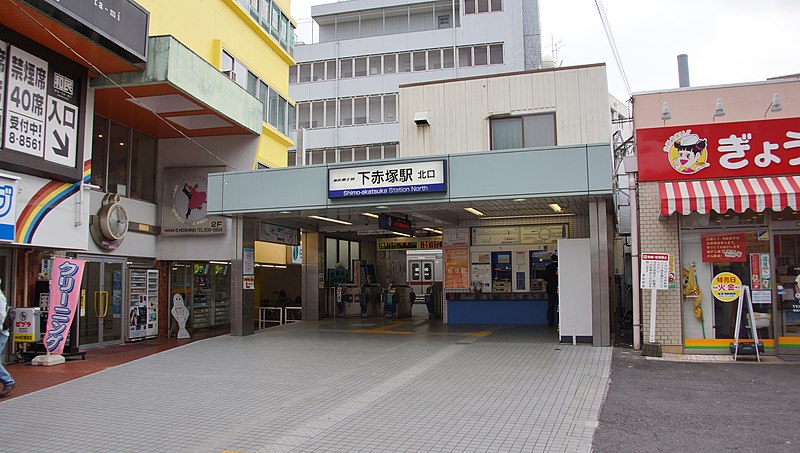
(230, 74)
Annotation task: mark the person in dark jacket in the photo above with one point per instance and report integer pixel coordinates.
(551, 278)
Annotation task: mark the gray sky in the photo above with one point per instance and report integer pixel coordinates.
(728, 41)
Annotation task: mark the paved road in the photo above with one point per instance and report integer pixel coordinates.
(335, 385)
(654, 406)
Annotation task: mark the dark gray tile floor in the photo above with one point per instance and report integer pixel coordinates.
(335, 385)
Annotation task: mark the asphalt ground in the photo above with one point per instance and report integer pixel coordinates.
(658, 406)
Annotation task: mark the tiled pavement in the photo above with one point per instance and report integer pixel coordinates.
(325, 386)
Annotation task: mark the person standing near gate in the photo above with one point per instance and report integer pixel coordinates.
(551, 278)
(5, 378)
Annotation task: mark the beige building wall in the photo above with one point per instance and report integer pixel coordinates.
(660, 236)
(460, 109)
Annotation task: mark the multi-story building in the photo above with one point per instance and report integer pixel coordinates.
(346, 84)
(147, 99)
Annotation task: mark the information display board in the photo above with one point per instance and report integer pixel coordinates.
(655, 271)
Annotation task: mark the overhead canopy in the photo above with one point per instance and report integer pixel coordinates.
(720, 195)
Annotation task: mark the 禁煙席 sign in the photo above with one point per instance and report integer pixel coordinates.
(391, 179)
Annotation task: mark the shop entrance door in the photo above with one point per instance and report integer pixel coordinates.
(787, 275)
(102, 296)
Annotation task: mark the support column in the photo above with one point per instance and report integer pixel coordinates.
(242, 323)
(311, 269)
(598, 233)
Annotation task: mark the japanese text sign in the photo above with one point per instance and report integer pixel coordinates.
(724, 248)
(394, 179)
(724, 150)
(8, 208)
(726, 286)
(456, 268)
(655, 271)
(65, 287)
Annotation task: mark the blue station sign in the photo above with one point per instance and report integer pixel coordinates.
(403, 178)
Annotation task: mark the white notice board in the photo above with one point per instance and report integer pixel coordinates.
(655, 271)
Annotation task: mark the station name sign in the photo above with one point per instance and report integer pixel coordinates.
(121, 26)
(393, 179)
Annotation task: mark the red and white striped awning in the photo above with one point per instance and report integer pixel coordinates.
(758, 194)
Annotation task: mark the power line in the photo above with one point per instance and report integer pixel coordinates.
(134, 98)
(607, 27)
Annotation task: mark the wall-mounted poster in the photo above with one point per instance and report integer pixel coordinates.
(724, 248)
(456, 268)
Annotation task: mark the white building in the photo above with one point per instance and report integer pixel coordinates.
(346, 84)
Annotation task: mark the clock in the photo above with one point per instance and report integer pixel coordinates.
(113, 219)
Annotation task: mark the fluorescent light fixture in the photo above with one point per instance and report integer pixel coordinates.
(274, 266)
(329, 220)
(433, 230)
(382, 207)
(369, 214)
(519, 200)
(219, 262)
(535, 216)
(285, 212)
(401, 234)
(555, 207)
(474, 211)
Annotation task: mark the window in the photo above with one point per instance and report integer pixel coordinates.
(419, 61)
(226, 63)
(252, 83)
(361, 67)
(290, 120)
(263, 93)
(330, 113)
(317, 114)
(318, 71)
(483, 6)
(374, 152)
(434, 59)
(331, 70)
(404, 62)
(340, 252)
(375, 65)
(390, 64)
(346, 112)
(374, 109)
(123, 160)
(464, 57)
(523, 131)
(330, 156)
(346, 68)
(276, 18)
(292, 74)
(481, 55)
(448, 58)
(305, 72)
(496, 54)
(283, 31)
(291, 158)
(273, 108)
(360, 110)
(316, 156)
(444, 21)
(389, 151)
(389, 108)
(469, 6)
(345, 154)
(303, 115)
(497, 5)
(360, 153)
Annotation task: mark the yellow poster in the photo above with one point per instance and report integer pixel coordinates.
(726, 286)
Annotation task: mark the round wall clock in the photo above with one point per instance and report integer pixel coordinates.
(113, 220)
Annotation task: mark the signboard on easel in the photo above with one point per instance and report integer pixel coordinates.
(655, 276)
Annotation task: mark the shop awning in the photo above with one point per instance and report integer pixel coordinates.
(758, 194)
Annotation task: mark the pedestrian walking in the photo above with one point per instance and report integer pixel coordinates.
(5, 378)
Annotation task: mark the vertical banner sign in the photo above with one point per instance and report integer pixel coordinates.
(3, 64)
(65, 287)
(26, 91)
(755, 271)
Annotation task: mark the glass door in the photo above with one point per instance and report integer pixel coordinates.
(787, 275)
(102, 300)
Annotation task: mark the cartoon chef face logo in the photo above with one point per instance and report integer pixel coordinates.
(687, 152)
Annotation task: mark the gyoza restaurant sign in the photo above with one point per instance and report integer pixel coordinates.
(394, 179)
(725, 150)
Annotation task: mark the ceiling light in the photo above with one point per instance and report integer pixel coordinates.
(555, 207)
(535, 216)
(401, 234)
(519, 200)
(474, 211)
(329, 220)
(433, 230)
(369, 214)
(218, 262)
(285, 212)
(382, 207)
